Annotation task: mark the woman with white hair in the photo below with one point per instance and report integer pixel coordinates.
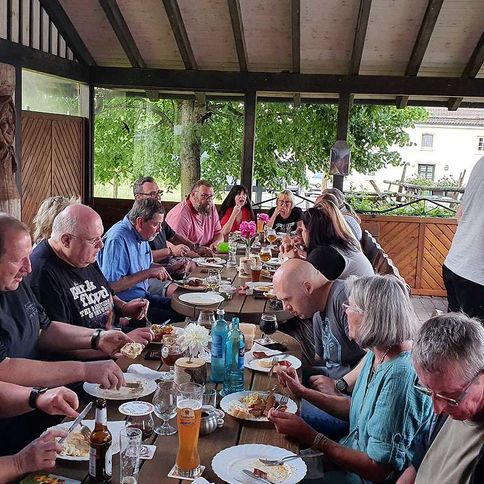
(385, 411)
(285, 216)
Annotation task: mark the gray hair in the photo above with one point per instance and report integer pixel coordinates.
(288, 194)
(7, 223)
(146, 209)
(451, 340)
(388, 315)
(138, 184)
(201, 183)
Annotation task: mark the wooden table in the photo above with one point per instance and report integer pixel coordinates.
(247, 308)
(234, 432)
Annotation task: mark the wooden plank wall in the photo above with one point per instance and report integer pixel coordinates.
(417, 246)
(52, 159)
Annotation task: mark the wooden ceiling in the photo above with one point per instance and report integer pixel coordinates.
(404, 39)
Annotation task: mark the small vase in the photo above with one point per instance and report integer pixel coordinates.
(247, 249)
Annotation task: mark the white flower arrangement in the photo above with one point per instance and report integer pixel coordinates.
(195, 338)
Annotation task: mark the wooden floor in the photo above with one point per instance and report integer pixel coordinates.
(425, 305)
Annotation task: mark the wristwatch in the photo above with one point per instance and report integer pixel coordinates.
(34, 394)
(341, 385)
(96, 336)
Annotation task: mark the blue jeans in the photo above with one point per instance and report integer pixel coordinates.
(323, 422)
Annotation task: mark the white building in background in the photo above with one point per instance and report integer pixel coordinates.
(449, 143)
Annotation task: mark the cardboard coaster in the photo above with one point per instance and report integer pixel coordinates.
(147, 452)
(174, 475)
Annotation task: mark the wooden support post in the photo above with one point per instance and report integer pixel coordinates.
(249, 139)
(342, 130)
(89, 151)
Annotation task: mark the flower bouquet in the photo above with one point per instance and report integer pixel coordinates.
(195, 339)
(248, 232)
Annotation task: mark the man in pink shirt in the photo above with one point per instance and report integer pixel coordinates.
(196, 217)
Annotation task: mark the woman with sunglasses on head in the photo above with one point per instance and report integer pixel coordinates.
(385, 411)
(285, 216)
(236, 208)
(330, 245)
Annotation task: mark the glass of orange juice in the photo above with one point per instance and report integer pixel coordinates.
(189, 410)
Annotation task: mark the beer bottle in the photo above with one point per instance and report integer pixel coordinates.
(100, 452)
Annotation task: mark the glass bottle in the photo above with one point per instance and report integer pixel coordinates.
(220, 332)
(234, 360)
(100, 452)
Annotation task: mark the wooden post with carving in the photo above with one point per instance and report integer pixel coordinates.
(9, 196)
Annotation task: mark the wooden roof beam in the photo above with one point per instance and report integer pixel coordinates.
(471, 70)
(239, 35)
(66, 28)
(360, 35)
(180, 33)
(296, 35)
(421, 43)
(121, 29)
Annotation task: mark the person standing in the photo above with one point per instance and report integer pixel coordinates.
(463, 269)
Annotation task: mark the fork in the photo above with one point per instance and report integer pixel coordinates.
(275, 462)
(283, 401)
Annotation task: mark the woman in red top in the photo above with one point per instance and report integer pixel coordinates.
(235, 208)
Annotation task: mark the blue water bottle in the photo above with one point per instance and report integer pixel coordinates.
(234, 360)
(220, 331)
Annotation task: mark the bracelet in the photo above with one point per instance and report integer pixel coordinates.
(96, 336)
(317, 440)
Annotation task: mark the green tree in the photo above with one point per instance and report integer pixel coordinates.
(135, 136)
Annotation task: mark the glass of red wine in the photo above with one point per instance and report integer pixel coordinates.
(268, 326)
(170, 353)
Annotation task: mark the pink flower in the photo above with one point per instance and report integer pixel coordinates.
(264, 217)
(248, 229)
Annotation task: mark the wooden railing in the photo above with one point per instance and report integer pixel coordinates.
(417, 246)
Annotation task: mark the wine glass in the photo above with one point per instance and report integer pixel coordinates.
(265, 253)
(171, 352)
(164, 401)
(206, 318)
(271, 237)
(213, 279)
(268, 326)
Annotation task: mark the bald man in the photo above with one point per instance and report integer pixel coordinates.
(306, 293)
(68, 282)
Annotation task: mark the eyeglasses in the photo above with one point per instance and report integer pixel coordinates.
(284, 202)
(453, 402)
(356, 309)
(157, 194)
(94, 242)
(204, 196)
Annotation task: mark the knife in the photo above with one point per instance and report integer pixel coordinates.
(255, 476)
(77, 421)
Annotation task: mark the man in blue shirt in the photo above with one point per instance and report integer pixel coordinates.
(126, 259)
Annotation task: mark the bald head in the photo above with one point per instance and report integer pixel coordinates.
(76, 235)
(300, 287)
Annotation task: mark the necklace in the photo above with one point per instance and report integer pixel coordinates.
(373, 368)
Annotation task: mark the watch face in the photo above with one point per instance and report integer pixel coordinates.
(341, 385)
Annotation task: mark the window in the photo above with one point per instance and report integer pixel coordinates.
(426, 171)
(480, 143)
(427, 140)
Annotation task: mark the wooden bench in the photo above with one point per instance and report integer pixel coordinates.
(381, 263)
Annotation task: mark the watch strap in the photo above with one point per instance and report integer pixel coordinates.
(34, 395)
(95, 339)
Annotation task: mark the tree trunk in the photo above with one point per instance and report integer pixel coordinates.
(190, 120)
(115, 189)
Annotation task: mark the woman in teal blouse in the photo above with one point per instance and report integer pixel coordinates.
(385, 411)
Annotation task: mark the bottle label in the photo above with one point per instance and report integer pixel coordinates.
(102, 416)
(241, 357)
(217, 346)
(108, 462)
(92, 462)
(108, 469)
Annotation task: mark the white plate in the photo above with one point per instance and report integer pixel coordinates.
(228, 463)
(255, 285)
(253, 363)
(274, 262)
(228, 402)
(114, 427)
(201, 298)
(213, 260)
(124, 393)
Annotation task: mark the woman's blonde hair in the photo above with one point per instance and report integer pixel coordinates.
(48, 210)
(288, 194)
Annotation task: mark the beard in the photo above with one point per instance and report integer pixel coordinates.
(203, 210)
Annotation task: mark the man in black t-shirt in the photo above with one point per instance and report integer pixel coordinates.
(69, 286)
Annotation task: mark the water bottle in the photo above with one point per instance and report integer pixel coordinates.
(234, 360)
(220, 331)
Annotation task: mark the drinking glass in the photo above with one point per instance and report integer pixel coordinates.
(271, 237)
(268, 326)
(171, 352)
(206, 318)
(265, 253)
(129, 455)
(255, 269)
(213, 279)
(209, 399)
(189, 411)
(164, 401)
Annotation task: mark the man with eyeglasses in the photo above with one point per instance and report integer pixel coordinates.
(67, 281)
(448, 354)
(196, 217)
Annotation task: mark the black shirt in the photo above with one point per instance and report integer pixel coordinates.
(21, 319)
(289, 224)
(159, 242)
(79, 296)
(327, 260)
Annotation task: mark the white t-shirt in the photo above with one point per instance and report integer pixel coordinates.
(466, 256)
